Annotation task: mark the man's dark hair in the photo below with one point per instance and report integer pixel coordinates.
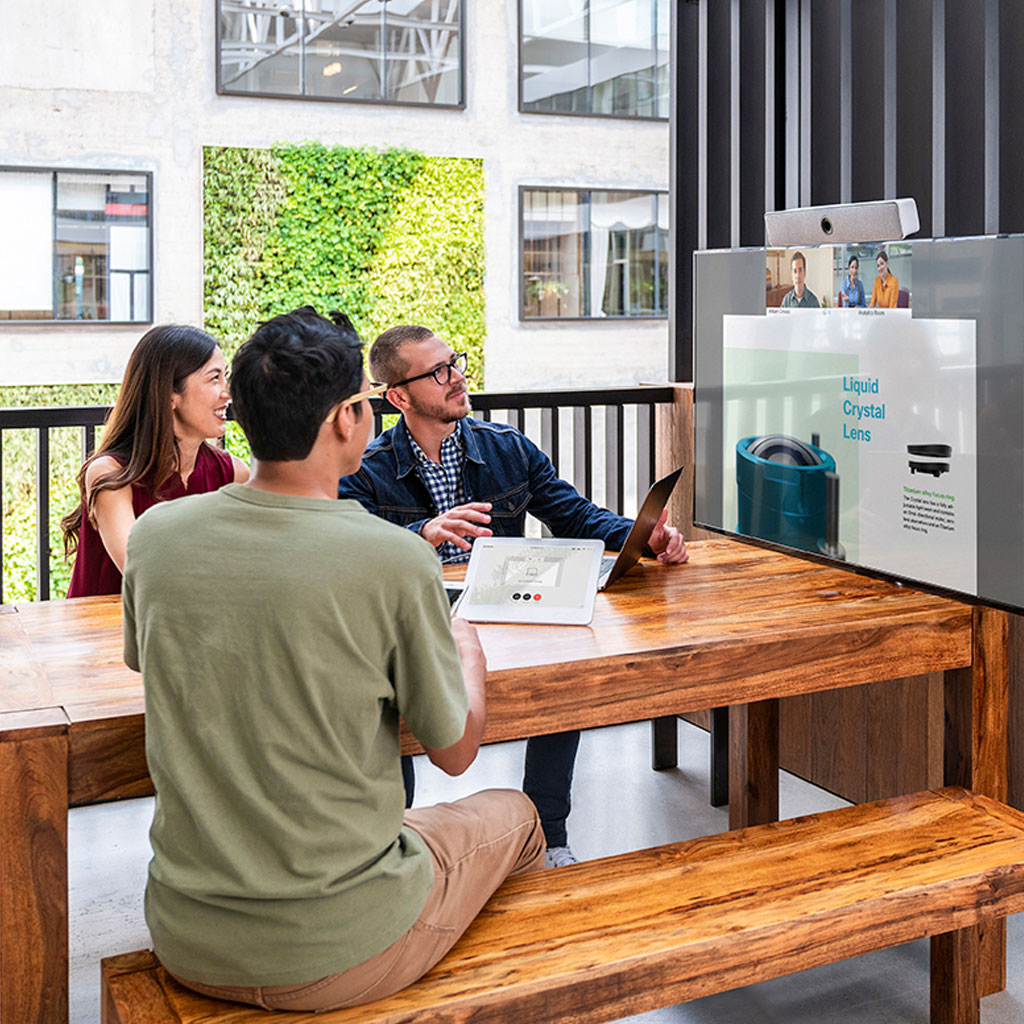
(386, 362)
(289, 375)
(798, 256)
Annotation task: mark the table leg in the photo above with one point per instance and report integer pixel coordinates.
(954, 977)
(719, 757)
(976, 749)
(753, 763)
(664, 742)
(34, 867)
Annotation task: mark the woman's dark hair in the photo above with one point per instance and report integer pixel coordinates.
(289, 375)
(139, 432)
(882, 255)
(850, 262)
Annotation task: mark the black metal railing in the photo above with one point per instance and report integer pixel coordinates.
(601, 440)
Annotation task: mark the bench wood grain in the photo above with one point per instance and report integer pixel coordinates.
(631, 933)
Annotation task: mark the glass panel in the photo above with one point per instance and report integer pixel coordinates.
(554, 56)
(625, 240)
(554, 243)
(661, 275)
(664, 55)
(622, 72)
(26, 268)
(423, 51)
(343, 49)
(102, 229)
(397, 50)
(260, 46)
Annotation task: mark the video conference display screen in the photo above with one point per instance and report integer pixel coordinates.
(865, 403)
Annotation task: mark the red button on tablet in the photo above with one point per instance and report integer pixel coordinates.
(536, 597)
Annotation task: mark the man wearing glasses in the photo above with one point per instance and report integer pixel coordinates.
(451, 479)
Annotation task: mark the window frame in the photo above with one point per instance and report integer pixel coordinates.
(97, 172)
(414, 104)
(650, 118)
(616, 318)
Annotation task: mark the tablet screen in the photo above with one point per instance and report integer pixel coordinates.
(511, 579)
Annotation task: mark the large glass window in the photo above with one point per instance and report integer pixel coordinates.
(593, 254)
(79, 246)
(595, 57)
(394, 51)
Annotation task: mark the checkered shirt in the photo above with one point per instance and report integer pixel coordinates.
(444, 482)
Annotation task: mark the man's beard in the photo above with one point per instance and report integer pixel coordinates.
(438, 411)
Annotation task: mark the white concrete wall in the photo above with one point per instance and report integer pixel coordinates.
(131, 85)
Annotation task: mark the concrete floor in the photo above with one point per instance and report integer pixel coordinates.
(620, 804)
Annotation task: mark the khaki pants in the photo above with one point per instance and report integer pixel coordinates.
(476, 843)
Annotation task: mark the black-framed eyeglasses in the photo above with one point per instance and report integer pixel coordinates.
(442, 374)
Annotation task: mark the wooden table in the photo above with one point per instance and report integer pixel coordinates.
(738, 626)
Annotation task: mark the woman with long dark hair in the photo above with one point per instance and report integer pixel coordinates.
(174, 396)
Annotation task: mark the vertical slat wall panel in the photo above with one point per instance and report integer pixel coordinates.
(753, 161)
(869, 87)
(789, 103)
(914, 106)
(1011, 122)
(992, 118)
(826, 120)
(965, 117)
(683, 185)
(841, 100)
(719, 133)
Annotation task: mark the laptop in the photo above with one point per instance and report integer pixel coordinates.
(613, 567)
(552, 581)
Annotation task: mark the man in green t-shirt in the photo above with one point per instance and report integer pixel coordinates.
(281, 633)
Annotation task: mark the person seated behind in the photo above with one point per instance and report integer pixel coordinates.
(174, 396)
(885, 292)
(852, 288)
(800, 297)
(451, 478)
(280, 634)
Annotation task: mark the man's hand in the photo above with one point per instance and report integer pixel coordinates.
(457, 524)
(667, 542)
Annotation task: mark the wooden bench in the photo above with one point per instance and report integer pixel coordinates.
(631, 933)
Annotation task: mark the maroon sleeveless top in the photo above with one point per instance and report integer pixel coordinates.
(94, 571)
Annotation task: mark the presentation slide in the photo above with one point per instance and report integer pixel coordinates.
(873, 390)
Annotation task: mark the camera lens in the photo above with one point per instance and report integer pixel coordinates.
(826, 225)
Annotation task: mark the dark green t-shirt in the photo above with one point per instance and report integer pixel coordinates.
(279, 638)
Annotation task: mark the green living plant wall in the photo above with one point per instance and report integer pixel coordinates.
(387, 236)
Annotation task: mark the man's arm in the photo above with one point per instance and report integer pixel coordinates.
(454, 760)
(562, 508)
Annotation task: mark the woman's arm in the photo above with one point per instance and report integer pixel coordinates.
(112, 513)
(241, 469)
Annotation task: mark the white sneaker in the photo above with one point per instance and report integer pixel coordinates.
(559, 857)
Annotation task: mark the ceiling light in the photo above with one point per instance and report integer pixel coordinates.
(334, 68)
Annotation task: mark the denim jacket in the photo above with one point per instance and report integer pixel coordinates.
(501, 466)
